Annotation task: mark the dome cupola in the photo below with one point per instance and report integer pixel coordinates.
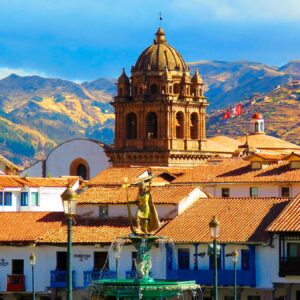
(257, 124)
(159, 56)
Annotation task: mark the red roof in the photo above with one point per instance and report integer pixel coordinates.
(257, 116)
(242, 220)
(167, 194)
(289, 219)
(238, 170)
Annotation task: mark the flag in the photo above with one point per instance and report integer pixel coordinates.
(237, 110)
(227, 114)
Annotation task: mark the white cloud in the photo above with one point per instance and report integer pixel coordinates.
(4, 72)
(247, 10)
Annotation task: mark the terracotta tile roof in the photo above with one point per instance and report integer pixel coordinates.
(89, 231)
(9, 164)
(265, 156)
(168, 194)
(225, 141)
(289, 219)
(237, 170)
(242, 220)
(116, 175)
(27, 226)
(264, 141)
(7, 181)
(10, 181)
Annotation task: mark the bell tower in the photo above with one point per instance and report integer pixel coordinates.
(160, 111)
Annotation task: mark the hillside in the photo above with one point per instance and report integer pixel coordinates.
(280, 109)
(228, 82)
(36, 113)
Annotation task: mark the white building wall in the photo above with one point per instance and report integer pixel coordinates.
(59, 160)
(36, 170)
(120, 210)
(243, 190)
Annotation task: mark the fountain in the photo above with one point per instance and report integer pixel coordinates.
(143, 286)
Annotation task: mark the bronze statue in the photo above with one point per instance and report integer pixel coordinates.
(146, 216)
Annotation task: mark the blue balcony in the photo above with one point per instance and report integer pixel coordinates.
(206, 277)
(89, 276)
(58, 279)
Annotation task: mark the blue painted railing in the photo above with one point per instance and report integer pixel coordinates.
(89, 276)
(58, 279)
(206, 277)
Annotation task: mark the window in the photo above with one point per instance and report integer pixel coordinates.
(256, 165)
(295, 164)
(7, 198)
(245, 259)
(24, 199)
(293, 250)
(153, 89)
(176, 88)
(34, 198)
(61, 261)
(179, 125)
(183, 259)
(101, 261)
(285, 191)
(82, 171)
(194, 126)
(131, 126)
(151, 125)
(256, 127)
(103, 211)
(253, 191)
(17, 266)
(1, 198)
(225, 192)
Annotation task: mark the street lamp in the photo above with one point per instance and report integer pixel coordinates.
(235, 255)
(214, 226)
(32, 259)
(69, 204)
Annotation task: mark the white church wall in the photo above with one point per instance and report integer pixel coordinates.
(59, 160)
(36, 170)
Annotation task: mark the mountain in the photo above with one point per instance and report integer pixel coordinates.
(280, 109)
(36, 113)
(228, 82)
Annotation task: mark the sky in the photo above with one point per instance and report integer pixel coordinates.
(87, 39)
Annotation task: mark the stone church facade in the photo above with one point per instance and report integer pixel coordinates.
(160, 111)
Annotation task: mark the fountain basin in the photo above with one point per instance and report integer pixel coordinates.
(139, 289)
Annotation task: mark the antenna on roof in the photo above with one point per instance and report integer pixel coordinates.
(160, 18)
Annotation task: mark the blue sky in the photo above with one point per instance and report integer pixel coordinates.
(88, 39)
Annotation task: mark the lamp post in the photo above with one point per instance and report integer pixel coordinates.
(214, 226)
(235, 255)
(32, 259)
(69, 204)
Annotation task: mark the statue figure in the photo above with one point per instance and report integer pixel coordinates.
(146, 216)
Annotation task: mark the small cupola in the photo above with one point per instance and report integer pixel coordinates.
(257, 124)
(197, 84)
(123, 85)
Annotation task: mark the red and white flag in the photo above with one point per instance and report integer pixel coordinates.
(233, 112)
(227, 114)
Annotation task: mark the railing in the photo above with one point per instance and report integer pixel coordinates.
(58, 279)
(206, 277)
(130, 274)
(16, 283)
(89, 276)
(289, 266)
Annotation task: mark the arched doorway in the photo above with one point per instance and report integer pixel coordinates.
(79, 167)
(180, 125)
(151, 125)
(194, 126)
(131, 126)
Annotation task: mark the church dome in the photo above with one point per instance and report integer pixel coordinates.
(160, 56)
